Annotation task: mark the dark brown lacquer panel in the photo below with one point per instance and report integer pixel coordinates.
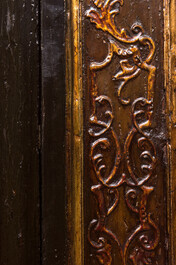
(125, 135)
(19, 133)
(53, 132)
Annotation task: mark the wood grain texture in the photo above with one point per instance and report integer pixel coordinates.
(53, 132)
(116, 74)
(74, 134)
(121, 222)
(32, 127)
(19, 157)
(170, 84)
(172, 74)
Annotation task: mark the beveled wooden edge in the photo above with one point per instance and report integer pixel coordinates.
(170, 86)
(74, 133)
(74, 128)
(167, 88)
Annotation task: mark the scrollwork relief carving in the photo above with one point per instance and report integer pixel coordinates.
(140, 246)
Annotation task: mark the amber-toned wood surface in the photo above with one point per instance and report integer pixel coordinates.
(170, 84)
(125, 133)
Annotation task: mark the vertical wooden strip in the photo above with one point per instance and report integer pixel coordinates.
(111, 229)
(53, 132)
(170, 84)
(168, 102)
(74, 133)
(77, 129)
(19, 158)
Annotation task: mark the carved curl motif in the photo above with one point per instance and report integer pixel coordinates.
(139, 247)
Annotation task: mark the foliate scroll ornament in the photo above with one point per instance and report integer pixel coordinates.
(131, 60)
(138, 139)
(140, 246)
(105, 152)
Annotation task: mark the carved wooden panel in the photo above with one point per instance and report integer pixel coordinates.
(118, 121)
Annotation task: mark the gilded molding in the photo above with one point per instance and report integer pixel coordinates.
(170, 84)
(137, 191)
(74, 134)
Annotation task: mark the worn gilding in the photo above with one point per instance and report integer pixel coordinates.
(74, 136)
(170, 85)
(140, 244)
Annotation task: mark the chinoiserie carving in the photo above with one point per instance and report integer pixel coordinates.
(140, 246)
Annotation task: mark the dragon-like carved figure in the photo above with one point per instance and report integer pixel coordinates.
(103, 14)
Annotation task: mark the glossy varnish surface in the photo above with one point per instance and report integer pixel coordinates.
(125, 133)
(19, 156)
(91, 181)
(32, 129)
(53, 180)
